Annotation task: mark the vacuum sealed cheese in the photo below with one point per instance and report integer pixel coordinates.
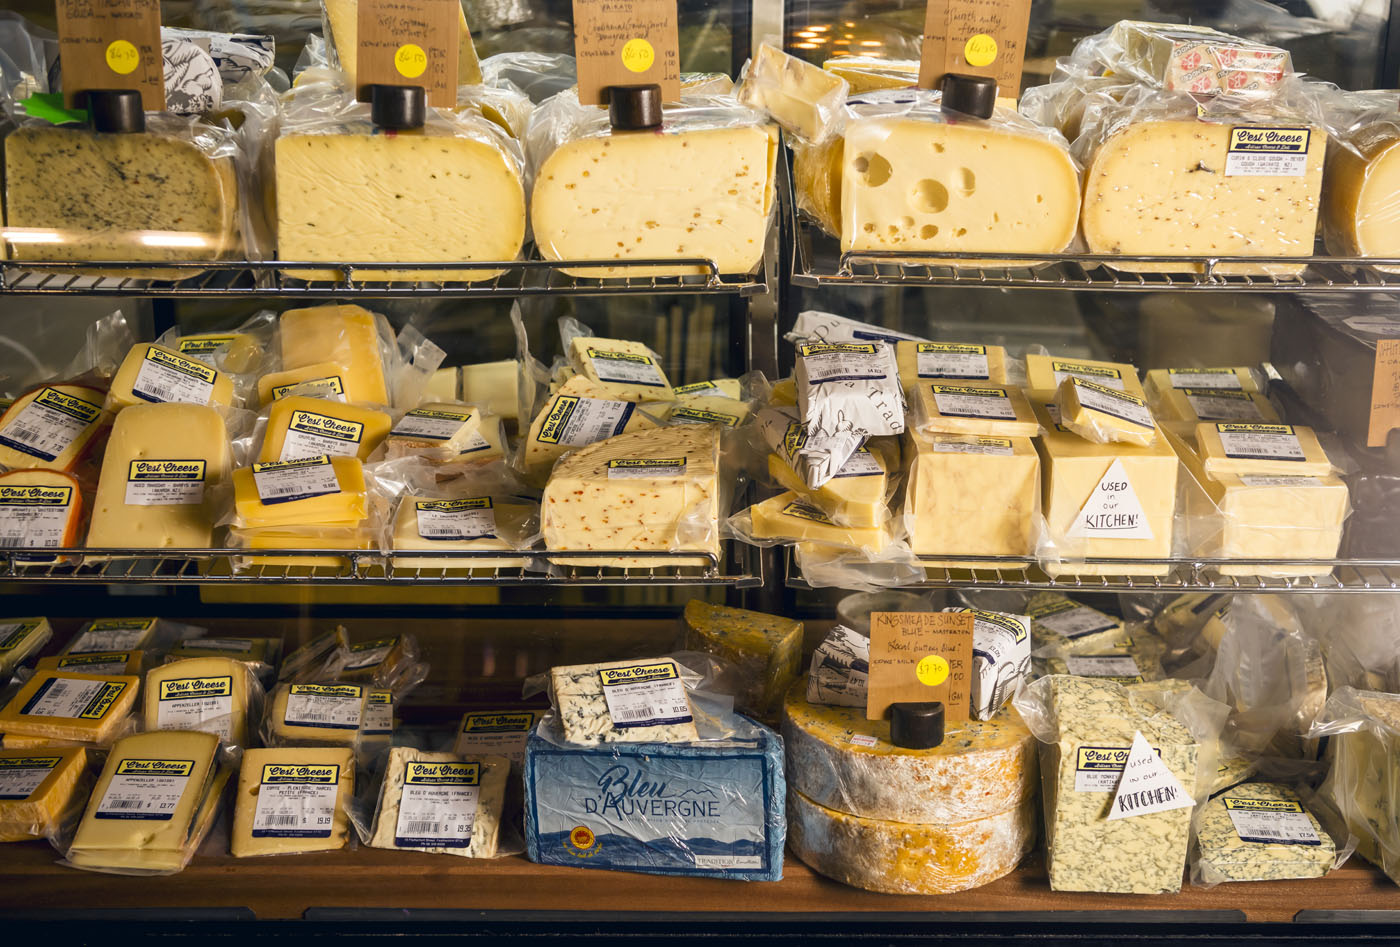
(292, 800)
(67, 706)
(341, 350)
(152, 374)
(42, 787)
(1360, 211)
(53, 427)
(426, 524)
(39, 508)
(868, 73)
(441, 802)
(804, 99)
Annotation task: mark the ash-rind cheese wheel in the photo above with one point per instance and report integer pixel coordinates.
(900, 858)
(840, 760)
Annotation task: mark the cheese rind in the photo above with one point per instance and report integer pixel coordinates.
(909, 858)
(52, 427)
(1244, 448)
(1227, 852)
(411, 771)
(39, 789)
(765, 650)
(39, 508)
(1358, 194)
(348, 338)
(972, 496)
(284, 793)
(206, 694)
(153, 374)
(987, 410)
(63, 705)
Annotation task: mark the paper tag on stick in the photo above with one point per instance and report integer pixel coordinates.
(111, 44)
(407, 43)
(626, 42)
(975, 37)
(920, 656)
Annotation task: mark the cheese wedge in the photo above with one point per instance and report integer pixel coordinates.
(1048, 372)
(318, 380)
(444, 430)
(1100, 414)
(714, 388)
(53, 427)
(292, 799)
(37, 789)
(62, 705)
(1162, 380)
(986, 410)
(239, 352)
(147, 802)
(804, 99)
(299, 427)
(854, 497)
(19, 639)
(951, 362)
(1262, 449)
(494, 386)
(40, 508)
(348, 337)
(113, 634)
(1358, 194)
(1184, 408)
(317, 714)
(569, 422)
(206, 694)
(441, 802)
(152, 374)
(155, 490)
(325, 491)
(99, 662)
(426, 524)
(787, 518)
(620, 362)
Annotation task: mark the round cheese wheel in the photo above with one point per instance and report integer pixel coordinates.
(840, 760)
(904, 858)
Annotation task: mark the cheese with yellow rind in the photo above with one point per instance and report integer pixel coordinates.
(64, 705)
(50, 780)
(765, 651)
(52, 427)
(316, 714)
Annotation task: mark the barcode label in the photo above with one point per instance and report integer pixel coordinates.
(165, 378)
(289, 809)
(646, 695)
(438, 805)
(46, 431)
(323, 711)
(299, 480)
(152, 798)
(1268, 821)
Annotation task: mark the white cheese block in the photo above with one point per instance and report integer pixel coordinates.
(1363, 779)
(969, 496)
(909, 858)
(494, 386)
(961, 408)
(1260, 832)
(842, 761)
(631, 366)
(441, 803)
(644, 701)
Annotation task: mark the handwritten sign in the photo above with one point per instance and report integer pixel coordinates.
(1385, 393)
(409, 42)
(975, 37)
(920, 656)
(626, 42)
(111, 44)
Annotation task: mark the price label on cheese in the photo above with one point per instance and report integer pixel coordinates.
(957, 401)
(578, 422)
(827, 362)
(331, 387)
(408, 42)
(435, 425)
(165, 482)
(1118, 667)
(1260, 442)
(920, 656)
(367, 654)
(21, 775)
(626, 42)
(164, 376)
(646, 695)
(296, 801)
(1221, 404)
(74, 699)
(34, 515)
(1114, 403)
(327, 706)
(1099, 768)
(987, 446)
(646, 468)
(104, 662)
(495, 734)
(471, 518)
(145, 789)
(688, 415)
(1098, 374)
(1072, 620)
(48, 425)
(1271, 821)
(1268, 152)
(285, 481)
(860, 464)
(379, 713)
(311, 435)
(1302, 483)
(1215, 378)
(112, 45)
(196, 703)
(438, 805)
(112, 634)
(949, 360)
(626, 368)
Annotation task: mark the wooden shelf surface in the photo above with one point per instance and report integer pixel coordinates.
(286, 886)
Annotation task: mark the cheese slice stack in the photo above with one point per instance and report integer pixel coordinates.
(63, 705)
(426, 798)
(41, 787)
(52, 428)
(153, 374)
(292, 799)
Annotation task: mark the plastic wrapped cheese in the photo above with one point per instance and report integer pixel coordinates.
(1360, 213)
(968, 496)
(972, 408)
(868, 73)
(292, 799)
(53, 427)
(804, 99)
(1179, 57)
(63, 705)
(154, 374)
(318, 490)
(765, 650)
(39, 508)
(344, 344)
(1103, 415)
(42, 788)
(20, 639)
(441, 802)
(299, 427)
(426, 524)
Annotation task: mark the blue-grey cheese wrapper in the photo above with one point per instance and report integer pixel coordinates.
(192, 81)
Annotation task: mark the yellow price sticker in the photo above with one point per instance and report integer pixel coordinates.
(123, 57)
(932, 670)
(638, 55)
(411, 61)
(981, 50)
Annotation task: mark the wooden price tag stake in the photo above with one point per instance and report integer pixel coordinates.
(626, 42)
(976, 38)
(111, 44)
(919, 657)
(408, 43)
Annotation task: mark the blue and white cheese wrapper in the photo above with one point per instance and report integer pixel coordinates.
(1001, 658)
(840, 670)
(709, 809)
(237, 55)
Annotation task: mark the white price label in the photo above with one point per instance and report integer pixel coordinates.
(70, 698)
(312, 435)
(48, 425)
(328, 707)
(1217, 404)
(860, 464)
(1268, 152)
(1260, 442)
(945, 360)
(828, 362)
(646, 469)
(962, 402)
(495, 734)
(578, 422)
(296, 801)
(473, 518)
(285, 481)
(1114, 403)
(145, 790)
(625, 368)
(1076, 621)
(1108, 377)
(196, 703)
(646, 695)
(112, 635)
(1304, 483)
(164, 377)
(1204, 378)
(433, 425)
(20, 776)
(1103, 665)
(1270, 821)
(986, 446)
(379, 713)
(34, 515)
(165, 482)
(438, 805)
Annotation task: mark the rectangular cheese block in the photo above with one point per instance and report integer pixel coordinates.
(249, 650)
(726, 412)
(427, 524)
(38, 789)
(151, 374)
(441, 803)
(787, 518)
(1184, 408)
(39, 508)
(63, 705)
(1180, 57)
(100, 663)
(495, 733)
(319, 490)
(494, 386)
(316, 714)
(1260, 832)
(854, 497)
(299, 427)
(319, 380)
(292, 800)
(159, 473)
(1114, 524)
(1197, 188)
(1230, 447)
(113, 634)
(146, 803)
(641, 701)
(804, 99)
(1061, 626)
(206, 694)
(950, 361)
(296, 539)
(20, 639)
(649, 490)
(1162, 380)
(103, 193)
(619, 362)
(451, 193)
(971, 496)
(347, 337)
(987, 410)
(53, 427)
(1080, 772)
(1048, 372)
(683, 194)
(724, 816)
(765, 650)
(1100, 414)
(569, 422)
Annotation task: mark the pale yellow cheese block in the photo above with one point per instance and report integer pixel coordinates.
(954, 362)
(175, 451)
(714, 388)
(621, 362)
(1100, 414)
(240, 351)
(788, 518)
(972, 496)
(304, 537)
(560, 428)
(510, 527)
(443, 428)
(321, 379)
(853, 499)
(125, 663)
(348, 506)
(53, 427)
(59, 772)
(1161, 188)
(65, 705)
(1255, 448)
(1159, 381)
(286, 770)
(1047, 372)
(971, 408)
(342, 706)
(299, 427)
(153, 373)
(348, 336)
(205, 694)
(804, 99)
(19, 639)
(494, 386)
(1360, 212)
(868, 73)
(725, 412)
(1184, 408)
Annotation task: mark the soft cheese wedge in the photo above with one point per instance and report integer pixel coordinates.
(158, 474)
(292, 799)
(53, 427)
(441, 802)
(63, 705)
(40, 788)
(340, 342)
(153, 374)
(206, 694)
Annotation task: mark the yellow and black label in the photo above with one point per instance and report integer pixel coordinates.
(320, 460)
(326, 774)
(453, 506)
(323, 425)
(74, 407)
(1007, 622)
(620, 357)
(950, 348)
(442, 774)
(191, 688)
(205, 344)
(843, 348)
(1257, 140)
(185, 366)
(93, 660)
(554, 423)
(98, 707)
(1277, 430)
(498, 723)
(804, 512)
(1085, 371)
(35, 495)
(155, 767)
(699, 416)
(166, 471)
(1262, 805)
(638, 673)
(343, 691)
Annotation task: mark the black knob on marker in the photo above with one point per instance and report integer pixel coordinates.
(970, 95)
(634, 107)
(117, 111)
(398, 107)
(916, 725)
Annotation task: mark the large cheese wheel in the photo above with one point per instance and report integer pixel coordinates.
(840, 760)
(900, 858)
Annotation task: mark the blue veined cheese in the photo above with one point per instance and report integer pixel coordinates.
(1260, 832)
(22, 637)
(642, 701)
(1364, 782)
(441, 802)
(1060, 626)
(839, 674)
(713, 809)
(765, 650)
(1085, 850)
(905, 858)
(844, 762)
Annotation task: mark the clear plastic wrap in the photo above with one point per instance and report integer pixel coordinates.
(816, 458)
(1360, 213)
(812, 325)
(857, 495)
(764, 652)
(152, 373)
(806, 100)
(1364, 781)
(704, 187)
(1177, 57)
(507, 107)
(320, 659)
(839, 675)
(837, 567)
(394, 664)
(210, 694)
(869, 73)
(240, 352)
(790, 518)
(849, 388)
(442, 803)
(327, 713)
(293, 800)
(45, 792)
(130, 634)
(1267, 831)
(21, 639)
(1104, 415)
(450, 192)
(954, 406)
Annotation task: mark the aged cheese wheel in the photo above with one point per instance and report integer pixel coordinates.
(904, 858)
(842, 761)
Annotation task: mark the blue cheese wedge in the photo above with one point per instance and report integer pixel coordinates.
(644, 701)
(441, 802)
(1261, 832)
(765, 651)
